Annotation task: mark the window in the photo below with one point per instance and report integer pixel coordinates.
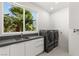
(18, 19)
(30, 20)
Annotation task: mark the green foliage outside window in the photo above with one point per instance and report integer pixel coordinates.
(13, 21)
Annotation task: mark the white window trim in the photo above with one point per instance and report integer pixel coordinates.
(24, 32)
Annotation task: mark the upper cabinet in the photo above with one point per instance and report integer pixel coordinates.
(74, 15)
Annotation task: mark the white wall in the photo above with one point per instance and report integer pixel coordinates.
(60, 20)
(43, 16)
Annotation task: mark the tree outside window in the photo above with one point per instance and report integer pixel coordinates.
(13, 19)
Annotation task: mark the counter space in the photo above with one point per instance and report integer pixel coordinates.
(8, 40)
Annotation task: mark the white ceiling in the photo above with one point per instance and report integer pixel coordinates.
(47, 5)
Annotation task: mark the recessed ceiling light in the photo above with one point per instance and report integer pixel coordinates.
(56, 2)
(51, 8)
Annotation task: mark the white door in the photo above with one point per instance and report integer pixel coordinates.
(74, 24)
(74, 43)
(17, 49)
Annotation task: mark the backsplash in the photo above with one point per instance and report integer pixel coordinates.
(17, 36)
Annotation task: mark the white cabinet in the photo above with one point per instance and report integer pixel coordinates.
(17, 49)
(4, 51)
(34, 47)
(27, 48)
(39, 46)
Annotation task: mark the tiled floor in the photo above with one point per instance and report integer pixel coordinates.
(56, 52)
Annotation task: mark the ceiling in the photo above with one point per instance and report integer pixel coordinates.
(51, 6)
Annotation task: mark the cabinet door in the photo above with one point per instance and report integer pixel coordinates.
(4, 51)
(34, 47)
(17, 49)
(39, 47)
(29, 48)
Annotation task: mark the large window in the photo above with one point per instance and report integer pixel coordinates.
(30, 20)
(18, 19)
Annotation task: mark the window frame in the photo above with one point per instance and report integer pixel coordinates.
(24, 8)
